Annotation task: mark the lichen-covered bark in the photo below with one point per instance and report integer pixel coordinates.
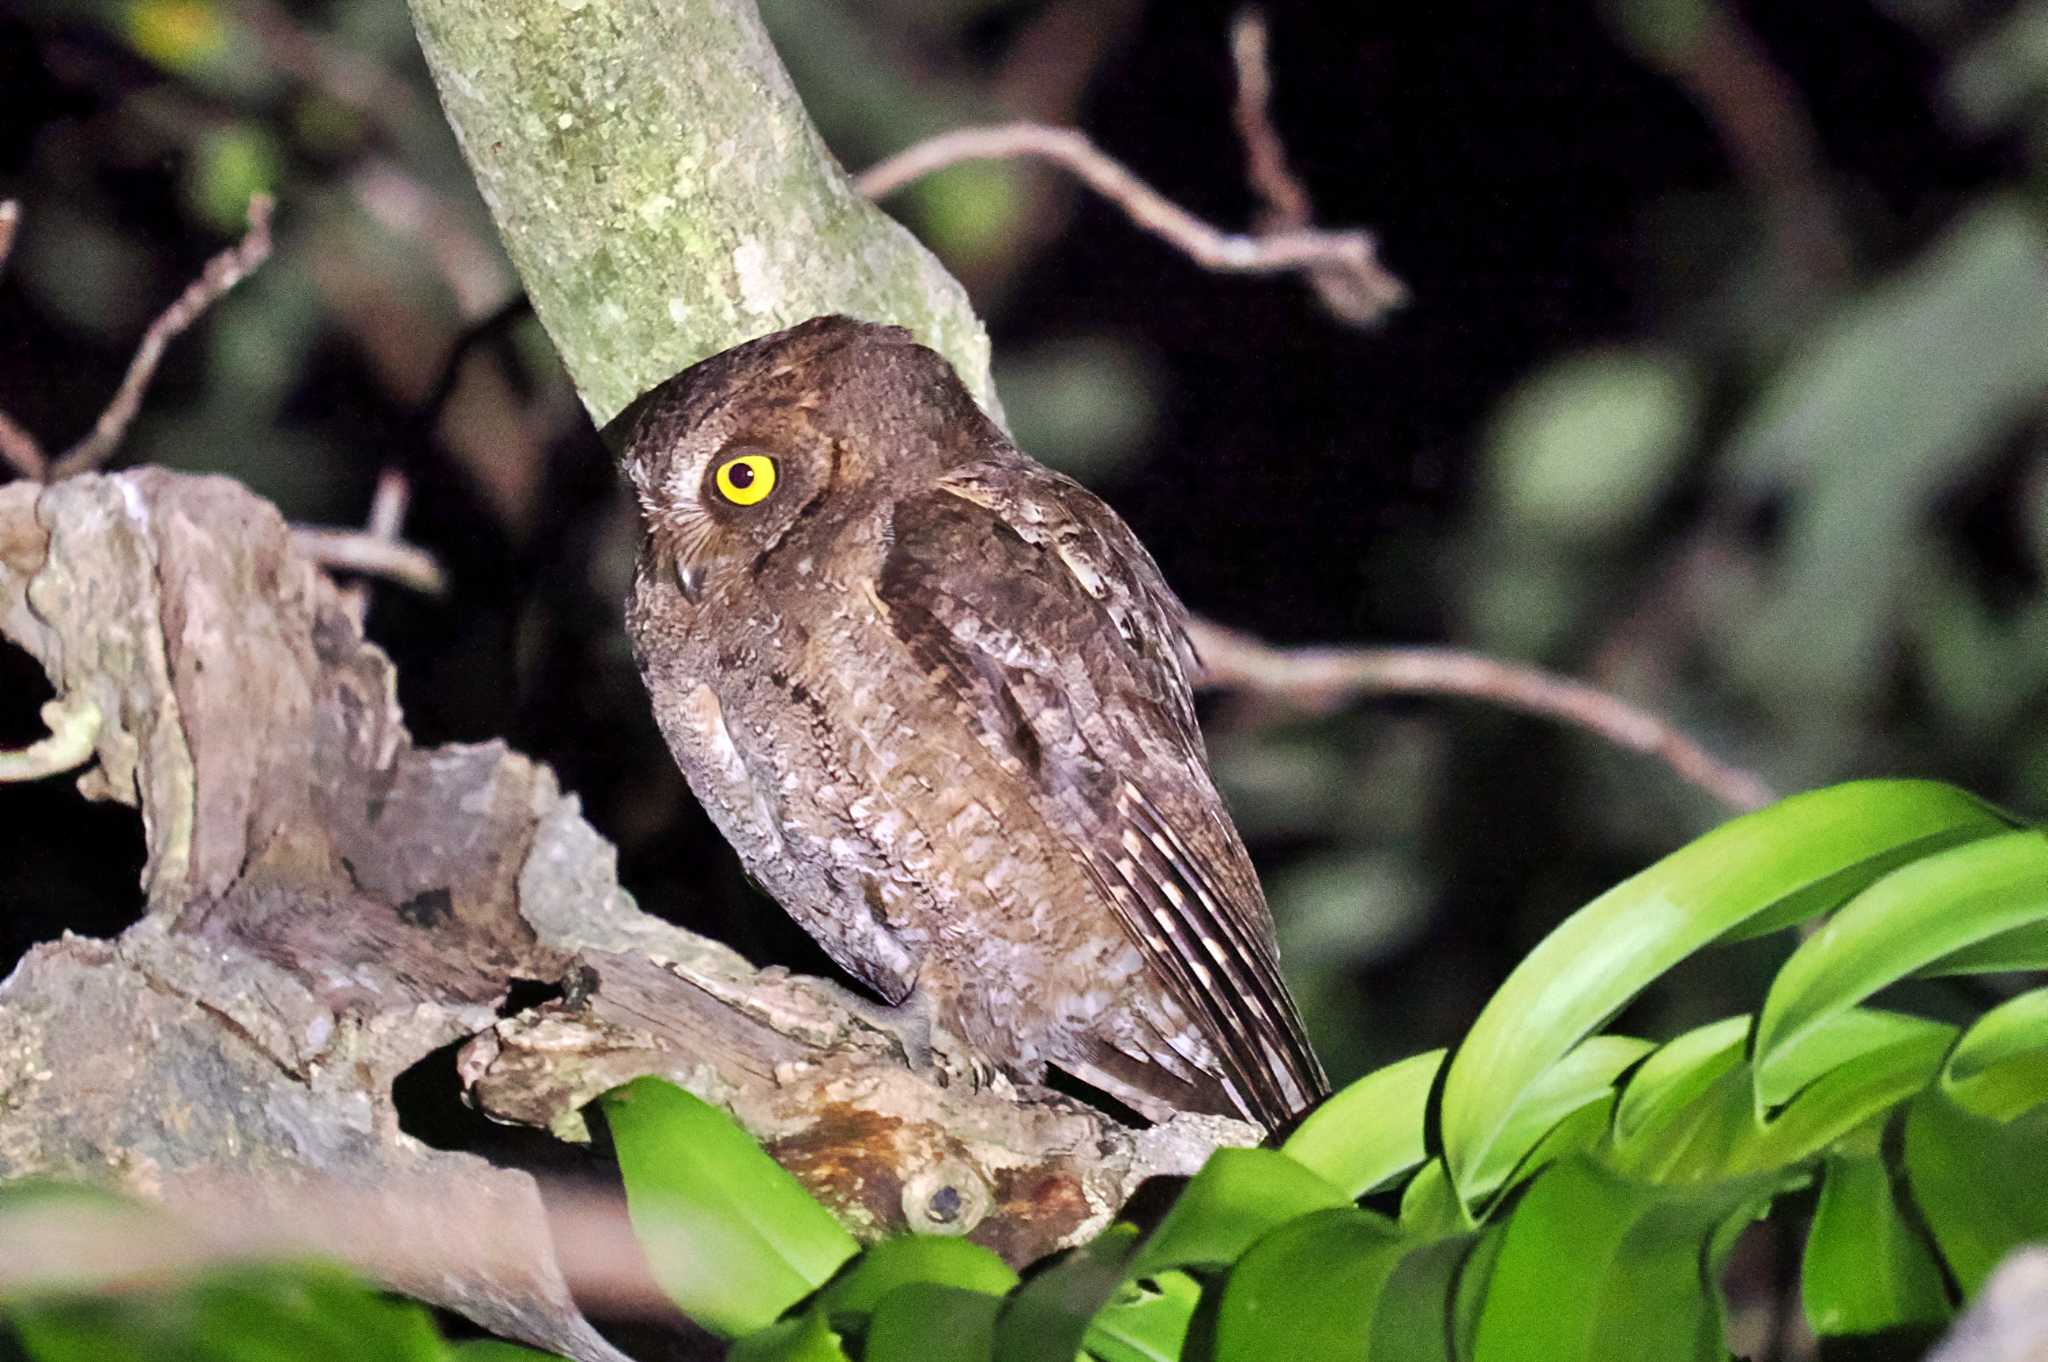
(662, 191)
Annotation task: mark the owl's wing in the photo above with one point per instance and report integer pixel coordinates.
(1043, 611)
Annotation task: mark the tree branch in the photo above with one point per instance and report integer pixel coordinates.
(222, 273)
(1318, 678)
(329, 904)
(662, 191)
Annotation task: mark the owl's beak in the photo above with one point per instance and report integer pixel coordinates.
(690, 577)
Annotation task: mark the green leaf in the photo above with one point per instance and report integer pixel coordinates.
(1370, 1132)
(1413, 1320)
(806, 1338)
(1430, 1207)
(1977, 1183)
(1469, 1291)
(1593, 1267)
(2000, 1066)
(1237, 1196)
(1773, 867)
(1855, 1093)
(497, 1350)
(1574, 1082)
(1670, 1081)
(1148, 1321)
(2022, 948)
(732, 1238)
(927, 1322)
(1582, 451)
(1047, 1319)
(277, 1313)
(1865, 1269)
(1698, 1122)
(1906, 921)
(1308, 1289)
(914, 1258)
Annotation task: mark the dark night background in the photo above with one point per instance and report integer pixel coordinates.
(1637, 423)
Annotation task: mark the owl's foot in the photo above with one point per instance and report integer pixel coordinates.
(927, 1044)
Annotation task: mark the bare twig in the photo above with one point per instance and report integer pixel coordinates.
(1319, 678)
(1770, 139)
(74, 726)
(10, 221)
(21, 449)
(222, 273)
(372, 555)
(375, 550)
(1368, 291)
(1287, 206)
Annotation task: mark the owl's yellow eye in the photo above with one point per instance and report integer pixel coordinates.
(746, 480)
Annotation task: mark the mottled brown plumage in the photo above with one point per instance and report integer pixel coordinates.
(937, 697)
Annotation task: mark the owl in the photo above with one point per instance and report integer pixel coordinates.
(936, 696)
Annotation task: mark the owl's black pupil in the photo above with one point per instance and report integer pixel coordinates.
(742, 475)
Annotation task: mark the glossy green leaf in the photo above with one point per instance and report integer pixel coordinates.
(496, 1350)
(2022, 948)
(1859, 1091)
(1430, 1207)
(1308, 1289)
(1584, 1076)
(914, 1258)
(1667, 1084)
(258, 1314)
(732, 1238)
(1908, 920)
(1593, 1267)
(1237, 1196)
(2000, 1066)
(1809, 851)
(1700, 1124)
(928, 1322)
(1469, 1291)
(1048, 1318)
(1978, 1183)
(1372, 1131)
(1412, 1322)
(1865, 1269)
(1146, 1321)
(806, 1338)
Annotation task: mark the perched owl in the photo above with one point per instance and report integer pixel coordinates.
(937, 697)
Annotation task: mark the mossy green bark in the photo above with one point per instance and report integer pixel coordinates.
(662, 191)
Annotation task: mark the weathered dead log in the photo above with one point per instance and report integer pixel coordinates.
(327, 904)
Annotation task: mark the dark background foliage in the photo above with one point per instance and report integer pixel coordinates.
(1719, 386)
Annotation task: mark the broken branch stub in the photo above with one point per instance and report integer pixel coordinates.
(329, 903)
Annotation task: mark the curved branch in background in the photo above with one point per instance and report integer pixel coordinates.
(1343, 265)
(1320, 678)
(1369, 292)
(222, 273)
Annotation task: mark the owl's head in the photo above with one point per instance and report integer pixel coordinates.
(731, 455)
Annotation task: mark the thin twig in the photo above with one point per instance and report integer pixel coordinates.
(1287, 205)
(10, 222)
(19, 448)
(74, 726)
(394, 560)
(1369, 291)
(222, 273)
(1319, 678)
(22, 450)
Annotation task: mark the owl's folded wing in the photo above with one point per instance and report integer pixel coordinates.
(1054, 625)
